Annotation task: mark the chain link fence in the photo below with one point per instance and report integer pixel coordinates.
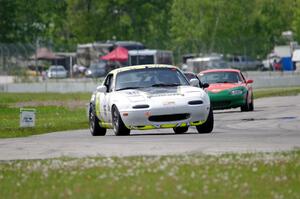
(15, 57)
(20, 61)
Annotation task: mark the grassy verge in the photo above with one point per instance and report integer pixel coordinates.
(54, 112)
(272, 92)
(191, 176)
(8, 98)
(48, 119)
(58, 112)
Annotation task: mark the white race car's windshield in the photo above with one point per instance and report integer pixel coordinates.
(220, 77)
(149, 77)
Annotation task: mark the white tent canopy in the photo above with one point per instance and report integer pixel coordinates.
(282, 51)
(296, 55)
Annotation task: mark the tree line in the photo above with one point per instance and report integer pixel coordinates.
(249, 27)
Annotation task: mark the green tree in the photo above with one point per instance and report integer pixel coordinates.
(231, 27)
(272, 17)
(296, 20)
(7, 22)
(249, 27)
(141, 20)
(26, 21)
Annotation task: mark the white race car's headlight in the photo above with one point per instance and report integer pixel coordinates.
(236, 92)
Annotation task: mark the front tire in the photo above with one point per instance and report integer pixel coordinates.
(95, 128)
(118, 125)
(248, 106)
(245, 107)
(180, 130)
(207, 126)
(251, 105)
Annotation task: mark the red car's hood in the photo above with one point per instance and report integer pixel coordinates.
(222, 86)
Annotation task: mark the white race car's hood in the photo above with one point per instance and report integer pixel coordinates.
(156, 96)
(161, 91)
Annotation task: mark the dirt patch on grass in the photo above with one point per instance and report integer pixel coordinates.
(72, 104)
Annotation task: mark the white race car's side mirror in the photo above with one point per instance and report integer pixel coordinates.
(194, 82)
(101, 89)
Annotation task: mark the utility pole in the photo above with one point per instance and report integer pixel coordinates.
(36, 58)
(2, 56)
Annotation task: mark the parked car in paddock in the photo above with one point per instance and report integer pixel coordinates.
(57, 71)
(96, 70)
(149, 97)
(228, 88)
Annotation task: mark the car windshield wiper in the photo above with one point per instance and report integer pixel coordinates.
(129, 87)
(162, 85)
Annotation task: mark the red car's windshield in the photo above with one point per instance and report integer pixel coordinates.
(220, 77)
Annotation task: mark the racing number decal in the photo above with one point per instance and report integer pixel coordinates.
(105, 110)
(98, 104)
(104, 106)
(101, 106)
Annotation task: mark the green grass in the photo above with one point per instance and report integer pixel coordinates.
(272, 92)
(7, 98)
(48, 118)
(261, 175)
(52, 117)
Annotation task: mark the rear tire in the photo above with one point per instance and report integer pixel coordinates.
(118, 125)
(207, 126)
(180, 130)
(95, 128)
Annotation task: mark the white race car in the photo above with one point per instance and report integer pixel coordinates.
(149, 97)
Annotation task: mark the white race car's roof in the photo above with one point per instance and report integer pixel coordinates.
(115, 71)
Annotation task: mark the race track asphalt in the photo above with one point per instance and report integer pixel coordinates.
(274, 125)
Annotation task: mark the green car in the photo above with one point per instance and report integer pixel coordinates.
(228, 88)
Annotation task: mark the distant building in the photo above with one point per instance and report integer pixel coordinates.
(199, 64)
(149, 56)
(89, 53)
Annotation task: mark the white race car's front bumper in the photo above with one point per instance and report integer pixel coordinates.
(168, 115)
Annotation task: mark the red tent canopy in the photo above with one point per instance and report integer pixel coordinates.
(119, 54)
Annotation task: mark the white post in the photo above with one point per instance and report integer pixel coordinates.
(27, 117)
(71, 67)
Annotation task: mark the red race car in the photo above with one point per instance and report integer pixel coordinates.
(228, 88)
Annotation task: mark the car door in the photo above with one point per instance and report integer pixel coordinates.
(105, 113)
